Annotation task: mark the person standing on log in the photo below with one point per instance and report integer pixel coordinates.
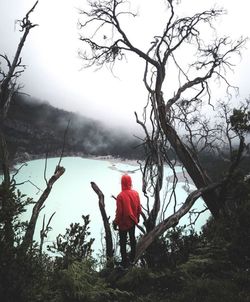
(128, 210)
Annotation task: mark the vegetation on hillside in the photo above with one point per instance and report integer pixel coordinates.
(37, 128)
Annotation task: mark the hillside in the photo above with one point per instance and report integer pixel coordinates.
(34, 128)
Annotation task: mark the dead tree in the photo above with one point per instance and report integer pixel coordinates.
(105, 219)
(14, 69)
(28, 237)
(210, 62)
(8, 87)
(8, 80)
(166, 119)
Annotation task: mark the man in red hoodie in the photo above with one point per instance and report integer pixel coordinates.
(128, 210)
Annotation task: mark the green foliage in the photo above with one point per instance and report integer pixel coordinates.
(209, 290)
(73, 245)
(13, 205)
(12, 229)
(144, 281)
(137, 280)
(19, 273)
(171, 249)
(240, 120)
(208, 260)
(26, 278)
(232, 231)
(81, 282)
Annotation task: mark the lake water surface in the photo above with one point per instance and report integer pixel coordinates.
(72, 195)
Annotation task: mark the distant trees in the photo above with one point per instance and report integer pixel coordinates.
(35, 127)
(179, 122)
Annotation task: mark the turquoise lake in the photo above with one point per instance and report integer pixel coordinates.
(72, 195)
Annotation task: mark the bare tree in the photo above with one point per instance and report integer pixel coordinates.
(9, 208)
(28, 237)
(9, 85)
(166, 119)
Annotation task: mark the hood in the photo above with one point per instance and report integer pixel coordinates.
(126, 182)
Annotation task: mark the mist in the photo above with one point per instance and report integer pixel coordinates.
(55, 72)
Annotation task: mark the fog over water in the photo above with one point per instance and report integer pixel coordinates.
(72, 195)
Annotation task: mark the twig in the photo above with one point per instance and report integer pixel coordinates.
(44, 231)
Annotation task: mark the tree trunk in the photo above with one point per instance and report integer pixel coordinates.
(195, 171)
(105, 219)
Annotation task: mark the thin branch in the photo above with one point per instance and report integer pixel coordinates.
(44, 231)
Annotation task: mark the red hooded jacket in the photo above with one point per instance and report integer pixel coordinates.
(128, 206)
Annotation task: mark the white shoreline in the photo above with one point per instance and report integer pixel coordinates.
(114, 161)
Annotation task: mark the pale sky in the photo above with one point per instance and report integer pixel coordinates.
(54, 72)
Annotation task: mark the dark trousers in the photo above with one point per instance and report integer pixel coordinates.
(123, 242)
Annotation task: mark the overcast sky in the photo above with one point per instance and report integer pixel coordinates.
(54, 70)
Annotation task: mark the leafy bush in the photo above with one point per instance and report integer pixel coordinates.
(171, 249)
(81, 282)
(232, 231)
(27, 278)
(74, 245)
(207, 290)
(15, 268)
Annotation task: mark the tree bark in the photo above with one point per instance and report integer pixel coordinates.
(193, 168)
(105, 219)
